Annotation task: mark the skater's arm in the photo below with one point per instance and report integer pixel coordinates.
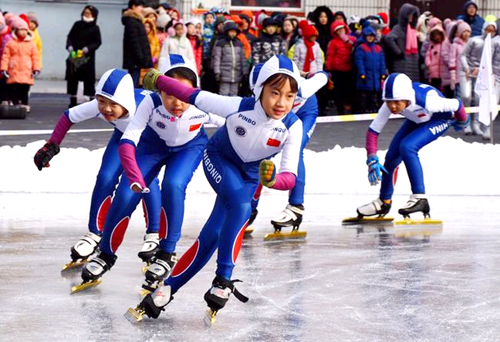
(216, 120)
(284, 181)
(375, 128)
(82, 112)
(310, 86)
(437, 104)
(62, 127)
(127, 157)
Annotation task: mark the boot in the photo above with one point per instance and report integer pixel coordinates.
(85, 247)
(416, 203)
(161, 268)
(376, 207)
(98, 266)
(219, 293)
(290, 217)
(154, 303)
(149, 247)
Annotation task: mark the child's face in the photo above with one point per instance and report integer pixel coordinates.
(465, 36)
(147, 27)
(111, 110)
(232, 33)
(277, 102)
(87, 13)
(172, 104)
(370, 38)
(151, 16)
(339, 17)
(323, 18)
(244, 25)
(491, 30)
(179, 30)
(312, 38)
(271, 29)
(191, 29)
(198, 29)
(209, 19)
(174, 15)
(437, 37)
(21, 33)
(287, 26)
(33, 25)
(397, 106)
(340, 31)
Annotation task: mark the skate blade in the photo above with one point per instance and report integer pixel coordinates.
(144, 269)
(84, 286)
(419, 221)
(73, 265)
(368, 220)
(248, 231)
(294, 234)
(144, 293)
(134, 315)
(409, 231)
(209, 318)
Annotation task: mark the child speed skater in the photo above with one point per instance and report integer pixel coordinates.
(235, 162)
(165, 131)
(428, 116)
(115, 102)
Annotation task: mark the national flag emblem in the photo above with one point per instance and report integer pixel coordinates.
(421, 115)
(273, 142)
(194, 127)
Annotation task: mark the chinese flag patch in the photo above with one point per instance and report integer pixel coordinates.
(273, 142)
(421, 115)
(194, 127)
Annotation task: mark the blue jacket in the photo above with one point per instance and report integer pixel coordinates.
(369, 59)
(475, 22)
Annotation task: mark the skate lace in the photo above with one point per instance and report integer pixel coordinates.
(241, 297)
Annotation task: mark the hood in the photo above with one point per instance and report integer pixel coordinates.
(93, 10)
(437, 28)
(368, 30)
(467, 4)
(337, 24)
(151, 22)
(398, 87)
(450, 27)
(275, 65)
(384, 16)
(117, 85)
(3, 26)
(195, 21)
(177, 61)
(317, 12)
(433, 22)
(404, 14)
(342, 14)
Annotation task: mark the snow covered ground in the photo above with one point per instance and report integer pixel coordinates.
(340, 283)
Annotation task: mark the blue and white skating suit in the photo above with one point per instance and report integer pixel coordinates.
(116, 85)
(165, 140)
(231, 162)
(306, 108)
(428, 117)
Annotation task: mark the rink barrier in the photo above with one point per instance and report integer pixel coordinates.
(321, 119)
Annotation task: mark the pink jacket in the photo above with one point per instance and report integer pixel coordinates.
(433, 59)
(455, 65)
(20, 59)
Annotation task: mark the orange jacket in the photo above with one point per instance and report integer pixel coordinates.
(20, 59)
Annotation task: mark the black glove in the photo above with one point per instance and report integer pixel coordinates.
(45, 154)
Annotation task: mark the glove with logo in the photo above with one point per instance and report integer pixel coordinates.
(375, 170)
(45, 154)
(149, 80)
(267, 173)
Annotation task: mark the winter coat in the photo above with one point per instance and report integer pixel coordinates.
(20, 59)
(208, 34)
(197, 45)
(471, 54)
(455, 64)
(299, 56)
(338, 55)
(433, 56)
(229, 60)
(475, 22)
(395, 44)
(154, 45)
(266, 46)
(495, 55)
(176, 45)
(324, 32)
(38, 42)
(369, 60)
(81, 35)
(136, 50)
(3, 42)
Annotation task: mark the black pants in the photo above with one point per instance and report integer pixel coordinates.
(343, 90)
(136, 76)
(18, 93)
(72, 87)
(368, 101)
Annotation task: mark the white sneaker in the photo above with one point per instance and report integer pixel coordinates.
(476, 128)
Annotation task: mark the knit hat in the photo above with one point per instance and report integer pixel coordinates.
(462, 26)
(163, 20)
(3, 27)
(269, 22)
(117, 85)
(246, 15)
(18, 24)
(25, 18)
(488, 23)
(173, 61)
(32, 17)
(193, 21)
(149, 10)
(307, 29)
(8, 17)
(230, 25)
(220, 19)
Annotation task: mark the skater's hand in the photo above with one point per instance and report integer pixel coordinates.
(45, 154)
(5, 74)
(150, 79)
(139, 189)
(461, 125)
(375, 170)
(267, 173)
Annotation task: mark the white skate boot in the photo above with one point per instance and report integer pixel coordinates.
(376, 207)
(149, 247)
(85, 247)
(161, 268)
(290, 217)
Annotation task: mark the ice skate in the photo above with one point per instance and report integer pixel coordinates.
(290, 217)
(249, 230)
(82, 250)
(218, 295)
(149, 247)
(161, 268)
(416, 203)
(94, 270)
(152, 305)
(378, 208)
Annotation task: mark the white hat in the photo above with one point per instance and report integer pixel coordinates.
(118, 86)
(275, 65)
(398, 87)
(177, 61)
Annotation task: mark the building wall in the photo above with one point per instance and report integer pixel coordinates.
(56, 21)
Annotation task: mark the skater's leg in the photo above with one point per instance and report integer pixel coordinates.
(106, 182)
(393, 159)
(151, 204)
(179, 171)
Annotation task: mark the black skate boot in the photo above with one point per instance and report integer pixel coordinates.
(218, 295)
(152, 305)
(98, 266)
(85, 247)
(161, 268)
(290, 217)
(149, 247)
(416, 203)
(376, 207)
(253, 216)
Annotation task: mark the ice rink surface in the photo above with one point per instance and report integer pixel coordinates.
(339, 284)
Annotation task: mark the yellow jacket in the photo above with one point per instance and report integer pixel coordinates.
(38, 42)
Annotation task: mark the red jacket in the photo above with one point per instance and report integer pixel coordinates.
(198, 51)
(338, 55)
